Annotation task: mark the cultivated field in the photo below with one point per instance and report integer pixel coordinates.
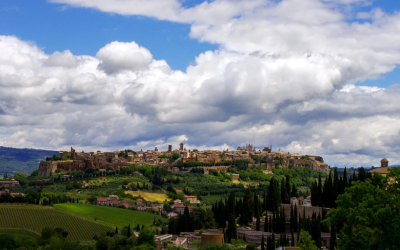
(148, 196)
(35, 218)
(112, 216)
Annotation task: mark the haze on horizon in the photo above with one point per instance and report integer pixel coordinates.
(316, 77)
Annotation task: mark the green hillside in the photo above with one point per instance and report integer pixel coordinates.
(35, 218)
(109, 215)
(22, 160)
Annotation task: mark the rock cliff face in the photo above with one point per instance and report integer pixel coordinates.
(48, 167)
(311, 164)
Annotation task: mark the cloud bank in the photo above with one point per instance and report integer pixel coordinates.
(284, 76)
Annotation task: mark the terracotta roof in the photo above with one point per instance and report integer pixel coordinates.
(102, 199)
(384, 160)
(113, 202)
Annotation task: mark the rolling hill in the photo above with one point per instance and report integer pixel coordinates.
(21, 160)
(34, 218)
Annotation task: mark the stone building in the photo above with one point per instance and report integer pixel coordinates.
(383, 170)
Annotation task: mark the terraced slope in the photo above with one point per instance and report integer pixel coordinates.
(35, 218)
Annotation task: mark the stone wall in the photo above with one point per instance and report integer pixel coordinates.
(212, 238)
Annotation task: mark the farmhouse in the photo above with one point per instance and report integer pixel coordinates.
(191, 199)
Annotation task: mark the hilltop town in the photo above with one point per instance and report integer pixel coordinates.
(175, 159)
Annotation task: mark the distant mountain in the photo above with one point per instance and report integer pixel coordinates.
(22, 160)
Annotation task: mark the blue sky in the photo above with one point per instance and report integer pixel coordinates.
(267, 72)
(57, 27)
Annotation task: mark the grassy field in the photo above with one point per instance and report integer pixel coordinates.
(35, 218)
(112, 216)
(18, 233)
(148, 196)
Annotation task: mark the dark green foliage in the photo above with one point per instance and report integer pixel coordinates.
(231, 232)
(262, 243)
(7, 242)
(197, 170)
(215, 247)
(248, 208)
(368, 215)
(273, 196)
(145, 237)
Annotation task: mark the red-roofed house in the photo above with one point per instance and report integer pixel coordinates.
(113, 203)
(102, 201)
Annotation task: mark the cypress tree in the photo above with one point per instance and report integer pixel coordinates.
(268, 243)
(116, 230)
(292, 240)
(244, 238)
(231, 232)
(329, 190)
(361, 174)
(129, 231)
(291, 218)
(294, 191)
(296, 221)
(283, 221)
(248, 207)
(270, 228)
(264, 204)
(258, 224)
(262, 243)
(333, 238)
(256, 208)
(266, 224)
(319, 198)
(273, 242)
(283, 192)
(138, 228)
(314, 194)
(345, 184)
(273, 222)
(231, 204)
(273, 196)
(335, 188)
(288, 188)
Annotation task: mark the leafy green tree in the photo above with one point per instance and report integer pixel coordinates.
(305, 242)
(369, 216)
(144, 247)
(46, 233)
(104, 243)
(7, 242)
(146, 237)
(215, 247)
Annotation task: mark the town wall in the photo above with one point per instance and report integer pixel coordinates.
(212, 238)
